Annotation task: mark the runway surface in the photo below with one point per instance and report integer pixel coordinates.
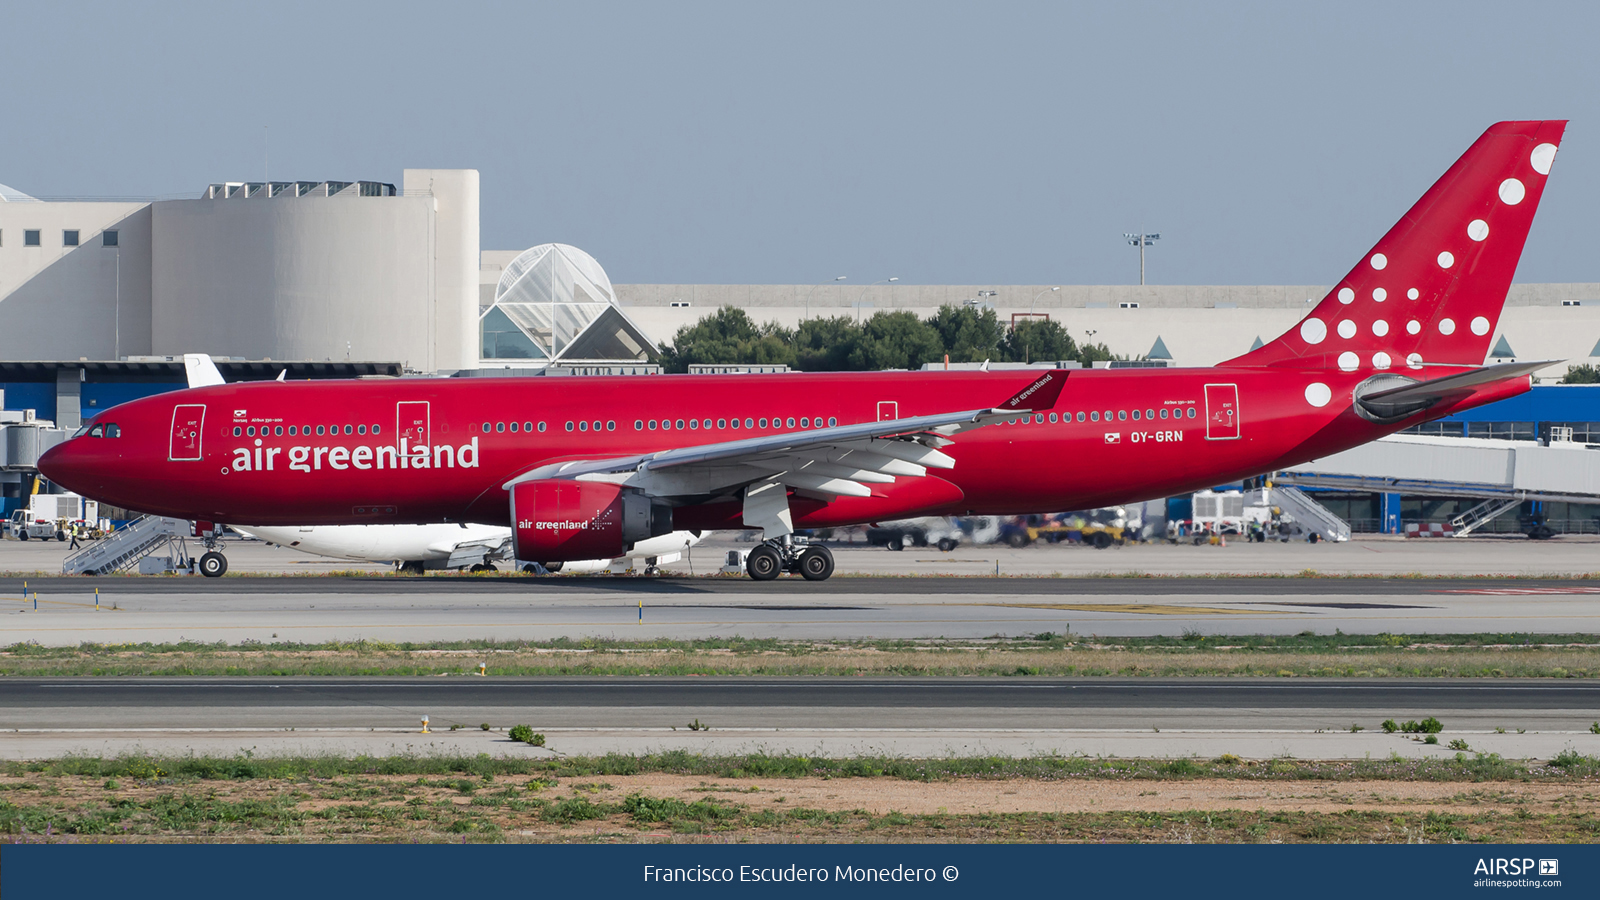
(135, 610)
(917, 716)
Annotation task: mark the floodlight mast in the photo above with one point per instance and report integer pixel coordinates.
(1141, 241)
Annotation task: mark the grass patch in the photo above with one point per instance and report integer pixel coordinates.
(1517, 655)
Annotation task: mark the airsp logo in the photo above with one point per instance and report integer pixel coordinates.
(1549, 867)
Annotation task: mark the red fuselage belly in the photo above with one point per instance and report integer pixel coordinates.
(415, 451)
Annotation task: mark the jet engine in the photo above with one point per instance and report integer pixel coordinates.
(555, 520)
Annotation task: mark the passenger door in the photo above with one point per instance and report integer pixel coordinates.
(1222, 412)
(188, 420)
(411, 425)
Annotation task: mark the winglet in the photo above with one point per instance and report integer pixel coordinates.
(201, 371)
(1041, 394)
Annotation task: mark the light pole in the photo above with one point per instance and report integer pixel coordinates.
(1036, 299)
(864, 294)
(813, 289)
(1141, 241)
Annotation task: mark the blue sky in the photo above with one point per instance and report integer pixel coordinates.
(789, 143)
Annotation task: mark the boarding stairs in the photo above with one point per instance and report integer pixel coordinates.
(1306, 512)
(1482, 514)
(122, 549)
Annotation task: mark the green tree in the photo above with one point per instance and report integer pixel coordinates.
(728, 336)
(969, 334)
(896, 340)
(827, 345)
(1584, 374)
(1034, 340)
(1089, 354)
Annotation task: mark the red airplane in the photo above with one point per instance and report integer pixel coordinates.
(583, 468)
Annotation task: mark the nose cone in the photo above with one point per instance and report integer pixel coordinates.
(65, 465)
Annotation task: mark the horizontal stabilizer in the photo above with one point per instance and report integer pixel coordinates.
(1419, 395)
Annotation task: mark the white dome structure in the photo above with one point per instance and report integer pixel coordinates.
(555, 303)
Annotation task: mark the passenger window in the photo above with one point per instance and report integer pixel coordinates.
(596, 424)
(763, 423)
(791, 421)
(292, 431)
(832, 421)
(1094, 416)
(499, 426)
(1136, 415)
(113, 431)
(319, 430)
(680, 425)
(569, 426)
(722, 423)
(1122, 415)
(1163, 413)
(611, 425)
(1052, 418)
(805, 423)
(734, 422)
(277, 430)
(361, 429)
(514, 427)
(652, 425)
(527, 426)
(749, 423)
(375, 429)
(251, 431)
(541, 429)
(237, 431)
(638, 424)
(1190, 413)
(583, 426)
(693, 424)
(1149, 414)
(486, 427)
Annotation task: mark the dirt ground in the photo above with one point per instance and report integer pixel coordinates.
(675, 807)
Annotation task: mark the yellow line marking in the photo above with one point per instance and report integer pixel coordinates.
(44, 601)
(1154, 609)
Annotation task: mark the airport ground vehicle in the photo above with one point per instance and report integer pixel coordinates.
(930, 531)
(607, 462)
(53, 516)
(1098, 528)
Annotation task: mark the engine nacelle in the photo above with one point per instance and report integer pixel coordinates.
(555, 520)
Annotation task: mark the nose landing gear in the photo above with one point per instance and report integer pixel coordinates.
(772, 558)
(213, 564)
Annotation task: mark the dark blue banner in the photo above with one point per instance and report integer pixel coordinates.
(244, 872)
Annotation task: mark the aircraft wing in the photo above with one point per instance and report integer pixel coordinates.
(840, 461)
(471, 553)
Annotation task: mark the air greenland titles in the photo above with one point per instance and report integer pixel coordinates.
(383, 456)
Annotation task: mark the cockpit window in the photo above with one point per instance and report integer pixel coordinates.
(81, 432)
(97, 431)
(113, 430)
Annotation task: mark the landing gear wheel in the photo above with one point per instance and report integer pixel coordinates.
(896, 543)
(483, 567)
(947, 544)
(763, 563)
(213, 564)
(816, 564)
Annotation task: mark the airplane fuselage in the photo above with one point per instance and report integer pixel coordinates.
(441, 450)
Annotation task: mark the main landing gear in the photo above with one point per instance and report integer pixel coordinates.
(772, 558)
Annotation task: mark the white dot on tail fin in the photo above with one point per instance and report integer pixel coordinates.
(1447, 326)
(1379, 294)
(1318, 394)
(1347, 329)
(1413, 326)
(1541, 158)
(1477, 229)
(1380, 328)
(1512, 192)
(1348, 361)
(1313, 331)
(1412, 294)
(1346, 295)
(1380, 360)
(1480, 326)
(1414, 360)
(1447, 259)
(1379, 260)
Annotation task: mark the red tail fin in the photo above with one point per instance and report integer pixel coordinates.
(1431, 291)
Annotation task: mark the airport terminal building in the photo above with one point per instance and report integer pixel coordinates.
(99, 300)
